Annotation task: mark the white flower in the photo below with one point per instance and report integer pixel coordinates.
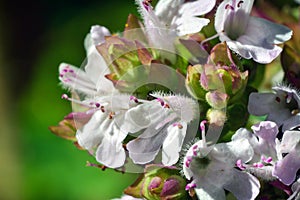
(211, 169)
(173, 18)
(249, 36)
(281, 107)
(272, 158)
(164, 124)
(103, 134)
(287, 167)
(91, 80)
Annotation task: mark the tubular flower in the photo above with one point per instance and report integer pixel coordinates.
(91, 80)
(281, 107)
(249, 36)
(173, 18)
(211, 169)
(164, 125)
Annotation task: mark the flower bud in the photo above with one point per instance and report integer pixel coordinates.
(216, 117)
(123, 57)
(159, 182)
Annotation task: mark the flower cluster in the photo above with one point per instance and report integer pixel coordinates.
(176, 97)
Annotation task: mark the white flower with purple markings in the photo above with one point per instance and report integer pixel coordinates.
(249, 36)
(163, 126)
(211, 169)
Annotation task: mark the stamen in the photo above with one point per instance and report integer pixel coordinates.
(277, 99)
(188, 161)
(166, 106)
(64, 96)
(240, 165)
(258, 165)
(91, 104)
(111, 115)
(133, 98)
(190, 186)
(97, 105)
(69, 76)
(240, 3)
(228, 6)
(266, 160)
(202, 128)
(178, 125)
(146, 4)
(162, 103)
(102, 108)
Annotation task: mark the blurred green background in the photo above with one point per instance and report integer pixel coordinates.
(34, 38)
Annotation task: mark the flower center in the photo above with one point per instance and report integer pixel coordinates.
(236, 20)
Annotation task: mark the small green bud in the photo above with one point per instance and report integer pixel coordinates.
(217, 99)
(193, 82)
(159, 183)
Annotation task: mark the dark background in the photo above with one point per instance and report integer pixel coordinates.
(35, 37)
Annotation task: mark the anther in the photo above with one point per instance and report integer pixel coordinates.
(64, 96)
(277, 99)
(228, 6)
(133, 98)
(202, 125)
(102, 108)
(188, 161)
(266, 160)
(240, 165)
(178, 125)
(111, 115)
(162, 103)
(240, 3)
(97, 105)
(258, 165)
(190, 186)
(166, 106)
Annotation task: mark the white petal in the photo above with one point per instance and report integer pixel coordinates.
(190, 24)
(261, 32)
(143, 116)
(197, 8)
(292, 122)
(289, 141)
(258, 53)
(173, 143)
(167, 10)
(92, 134)
(111, 155)
(244, 186)
(261, 103)
(96, 69)
(144, 149)
(232, 151)
(111, 152)
(74, 78)
(240, 14)
(266, 104)
(210, 192)
(98, 34)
